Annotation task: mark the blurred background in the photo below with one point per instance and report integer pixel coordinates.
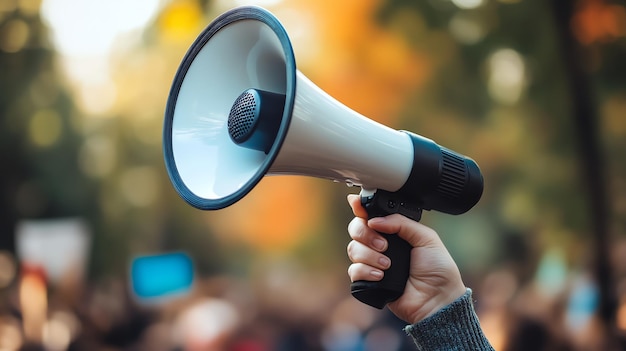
(533, 90)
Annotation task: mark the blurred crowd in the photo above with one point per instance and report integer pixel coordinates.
(284, 308)
(281, 311)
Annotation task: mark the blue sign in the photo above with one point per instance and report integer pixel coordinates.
(161, 275)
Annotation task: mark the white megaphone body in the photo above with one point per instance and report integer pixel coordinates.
(239, 109)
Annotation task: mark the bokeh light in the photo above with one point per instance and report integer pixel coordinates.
(97, 157)
(140, 185)
(468, 4)
(10, 334)
(466, 29)
(91, 28)
(8, 268)
(14, 36)
(45, 127)
(507, 76)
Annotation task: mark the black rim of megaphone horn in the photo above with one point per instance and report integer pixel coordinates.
(227, 18)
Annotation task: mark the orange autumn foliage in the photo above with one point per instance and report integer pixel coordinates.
(278, 213)
(597, 21)
(367, 67)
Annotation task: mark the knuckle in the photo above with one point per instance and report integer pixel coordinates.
(350, 249)
(351, 271)
(357, 229)
(355, 271)
(354, 252)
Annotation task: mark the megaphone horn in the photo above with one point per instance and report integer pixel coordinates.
(239, 109)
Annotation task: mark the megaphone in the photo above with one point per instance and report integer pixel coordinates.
(239, 110)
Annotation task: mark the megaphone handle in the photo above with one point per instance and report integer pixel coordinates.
(391, 287)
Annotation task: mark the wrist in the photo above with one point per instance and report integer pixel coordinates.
(439, 301)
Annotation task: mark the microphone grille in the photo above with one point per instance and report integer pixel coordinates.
(242, 116)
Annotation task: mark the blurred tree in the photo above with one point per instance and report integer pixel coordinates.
(39, 142)
(584, 113)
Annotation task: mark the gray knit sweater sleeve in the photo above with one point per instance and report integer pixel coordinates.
(454, 328)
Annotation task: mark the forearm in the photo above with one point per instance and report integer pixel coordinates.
(454, 328)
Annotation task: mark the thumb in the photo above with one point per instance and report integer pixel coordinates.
(355, 203)
(415, 233)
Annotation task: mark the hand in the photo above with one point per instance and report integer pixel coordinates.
(434, 279)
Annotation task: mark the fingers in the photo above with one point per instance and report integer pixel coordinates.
(359, 231)
(359, 253)
(369, 264)
(414, 232)
(365, 251)
(360, 271)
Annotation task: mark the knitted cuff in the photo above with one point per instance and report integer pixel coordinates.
(454, 328)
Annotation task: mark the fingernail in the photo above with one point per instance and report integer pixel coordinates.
(376, 273)
(384, 261)
(376, 220)
(379, 244)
